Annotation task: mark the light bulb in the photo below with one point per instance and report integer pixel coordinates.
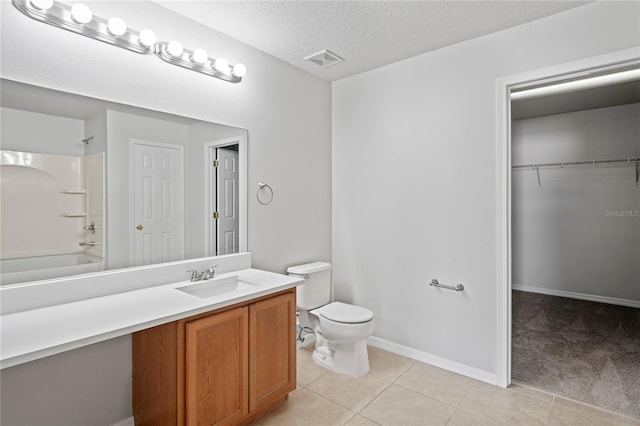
(81, 13)
(41, 4)
(221, 65)
(116, 26)
(175, 48)
(239, 70)
(199, 56)
(147, 38)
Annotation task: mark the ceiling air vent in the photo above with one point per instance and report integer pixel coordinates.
(324, 58)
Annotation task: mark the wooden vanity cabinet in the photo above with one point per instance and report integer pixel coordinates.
(223, 367)
(216, 368)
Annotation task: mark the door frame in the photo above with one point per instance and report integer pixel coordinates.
(132, 183)
(241, 141)
(504, 85)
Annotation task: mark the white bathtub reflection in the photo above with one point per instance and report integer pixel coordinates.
(46, 267)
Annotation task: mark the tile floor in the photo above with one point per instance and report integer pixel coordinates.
(401, 391)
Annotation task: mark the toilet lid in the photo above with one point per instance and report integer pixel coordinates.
(343, 312)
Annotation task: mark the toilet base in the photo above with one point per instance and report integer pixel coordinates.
(349, 360)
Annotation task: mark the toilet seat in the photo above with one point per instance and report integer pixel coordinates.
(345, 313)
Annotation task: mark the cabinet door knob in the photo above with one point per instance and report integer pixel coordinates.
(139, 227)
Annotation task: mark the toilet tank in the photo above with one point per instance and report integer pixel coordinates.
(316, 290)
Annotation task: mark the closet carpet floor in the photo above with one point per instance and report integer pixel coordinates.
(583, 350)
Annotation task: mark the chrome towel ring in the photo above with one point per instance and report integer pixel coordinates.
(262, 185)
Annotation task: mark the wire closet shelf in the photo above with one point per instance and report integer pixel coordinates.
(629, 160)
(537, 167)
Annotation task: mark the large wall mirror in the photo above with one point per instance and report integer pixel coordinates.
(89, 185)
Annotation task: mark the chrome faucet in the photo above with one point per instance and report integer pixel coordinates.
(209, 273)
(195, 276)
(203, 276)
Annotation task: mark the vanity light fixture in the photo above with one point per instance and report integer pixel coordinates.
(196, 61)
(116, 26)
(199, 56)
(239, 70)
(147, 38)
(175, 48)
(81, 13)
(79, 19)
(221, 65)
(42, 4)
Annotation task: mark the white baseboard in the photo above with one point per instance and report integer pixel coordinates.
(427, 358)
(580, 296)
(126, 422)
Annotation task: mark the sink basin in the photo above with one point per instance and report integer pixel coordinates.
(216, 286)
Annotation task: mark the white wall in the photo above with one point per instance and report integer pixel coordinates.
(565, 233)
(414, 178)
(287, 114)
(87, 386)
(96, 126)
(47, 134)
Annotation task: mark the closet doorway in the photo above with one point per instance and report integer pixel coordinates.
(571, 235)
(575, 217)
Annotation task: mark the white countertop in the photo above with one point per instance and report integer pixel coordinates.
(46, 331)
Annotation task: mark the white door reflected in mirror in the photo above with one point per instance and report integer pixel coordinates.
(225, 178)
(158, 194)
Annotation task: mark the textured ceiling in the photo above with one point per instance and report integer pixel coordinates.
(367, 34)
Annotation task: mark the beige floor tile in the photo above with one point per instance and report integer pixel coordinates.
(592, 411)
(308, 370)
(403, 407)
(387, 365)
(437, 383)
(359, 420)
(506, 407)
(463, 418)
(532, 392)
(565, 416)
(306, 408)
(353, 393)
(422, 394)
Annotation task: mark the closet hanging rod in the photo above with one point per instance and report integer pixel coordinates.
(629, 160)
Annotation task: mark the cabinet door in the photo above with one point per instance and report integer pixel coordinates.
(272, 348)
(155, 375)
(216, 368)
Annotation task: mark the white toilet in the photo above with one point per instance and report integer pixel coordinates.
(340, 329)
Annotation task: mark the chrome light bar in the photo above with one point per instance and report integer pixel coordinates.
(190, 59)
(79, 19)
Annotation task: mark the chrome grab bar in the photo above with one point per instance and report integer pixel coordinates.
(434, 282)
(88, 243)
